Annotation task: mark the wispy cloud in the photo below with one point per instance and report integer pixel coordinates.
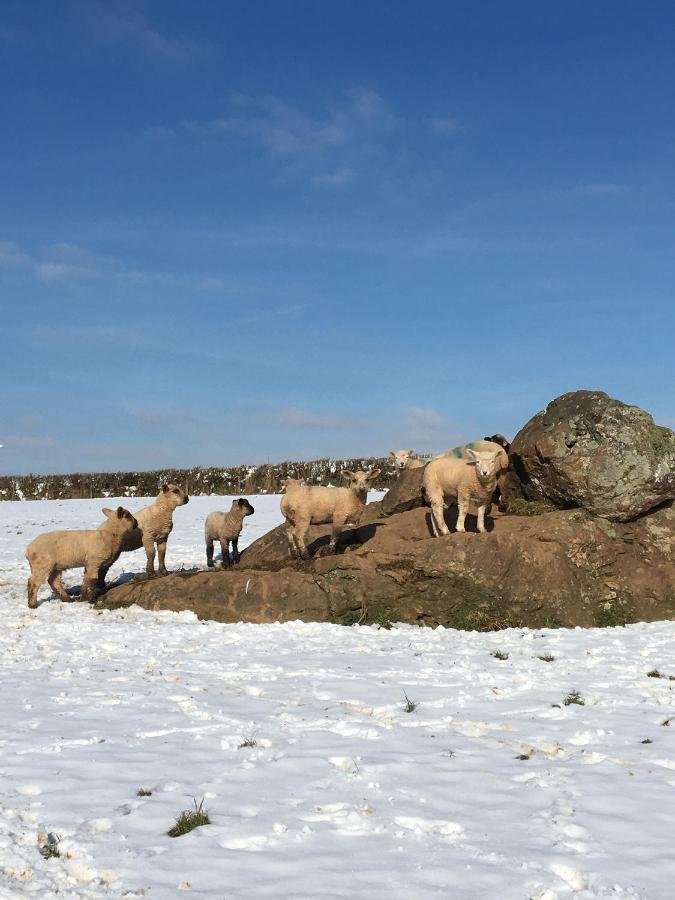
(294, 417)
(162, 418)
(445, 126)
(600, 189)
(67, 262)
(424, 425)
(28, 442)
(339, 178)
(121, 22)
(329, 145)
(11, 255)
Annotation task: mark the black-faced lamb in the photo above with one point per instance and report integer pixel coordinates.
(467, 479)
(52, 553)
(305, 505)
(155, 523)
(226, 528)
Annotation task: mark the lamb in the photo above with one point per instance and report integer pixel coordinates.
(226, 528)
(405, 459)
(305, 505)
(155, 523)
(472, 478)
(54, 552)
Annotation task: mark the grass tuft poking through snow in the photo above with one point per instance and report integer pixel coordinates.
(574, 698)
(190, 819)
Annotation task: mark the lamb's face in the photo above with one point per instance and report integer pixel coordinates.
(359, 480)
(401, 458)
(174, 495)
(243, 506)
(486, 463)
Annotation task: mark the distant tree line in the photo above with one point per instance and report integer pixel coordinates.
(265, 479)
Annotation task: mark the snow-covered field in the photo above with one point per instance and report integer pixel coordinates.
(318, 782)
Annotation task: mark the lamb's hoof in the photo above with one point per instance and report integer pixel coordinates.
(163, 572)
(32, 604)
(235, 559)
(225, 566)
(210, 565)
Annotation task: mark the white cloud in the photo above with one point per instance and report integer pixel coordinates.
(295, 417)
(599, 189)
(11, 255)
(443, 125)
(339, 178)
(423, 417)
(331, 143)
(117, 21)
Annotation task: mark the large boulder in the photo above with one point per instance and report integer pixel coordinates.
(559, 568)
(590, 451)
(405, 493)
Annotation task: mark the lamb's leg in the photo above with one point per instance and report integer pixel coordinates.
(336, 531)
(462, 510)
(292, 548)
(161, 556)
(235, 550)
(34, 582)
(481, 518)
(149, 546)
(437, 517)
(55, 583)
(299, 533)
(209, 553)
(225, 553)
(103, 571)
(89, 583)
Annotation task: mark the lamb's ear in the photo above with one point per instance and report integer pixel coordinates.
(471, 455)
(120, 512)
(392, 453)
(410, 452)
(108, 513)
(372, 474)
(165, 488)
(347, 473)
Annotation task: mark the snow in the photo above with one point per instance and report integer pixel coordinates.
(490, 788)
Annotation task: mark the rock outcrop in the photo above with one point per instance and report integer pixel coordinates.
(559, 568)
(597, 546)
(588, 451)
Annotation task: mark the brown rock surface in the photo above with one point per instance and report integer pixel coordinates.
(590, 451)
(405, 493)
(559, 568)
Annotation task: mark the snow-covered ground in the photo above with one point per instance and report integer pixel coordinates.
(490, 788)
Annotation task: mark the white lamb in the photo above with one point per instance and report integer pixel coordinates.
(305, 505)
(226, 528)
(54, 552)
(155, 523)
(405, 459)
(472, 478)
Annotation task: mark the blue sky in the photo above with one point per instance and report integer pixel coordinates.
(240, 231)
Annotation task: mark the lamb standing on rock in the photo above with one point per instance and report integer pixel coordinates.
(54, 552)
(305, 505)
(405, 459)
(226, 528)
(155, 523)
(471, 478)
